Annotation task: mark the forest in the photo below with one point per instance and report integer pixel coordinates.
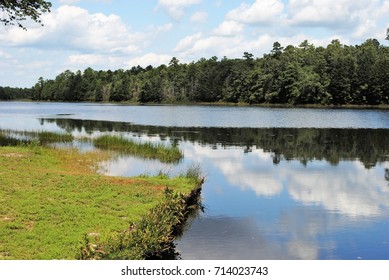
(334, 75)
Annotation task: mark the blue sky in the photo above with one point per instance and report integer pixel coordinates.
(119, 34)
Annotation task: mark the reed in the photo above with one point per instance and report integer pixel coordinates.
(168, 154)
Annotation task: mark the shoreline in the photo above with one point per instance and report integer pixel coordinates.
(220, 104)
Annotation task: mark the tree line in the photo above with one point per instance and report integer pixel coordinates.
(11, 93)
(334, 75)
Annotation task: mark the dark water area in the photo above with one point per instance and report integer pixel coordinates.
(281, 183)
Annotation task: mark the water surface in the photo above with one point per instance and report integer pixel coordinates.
(281, 183)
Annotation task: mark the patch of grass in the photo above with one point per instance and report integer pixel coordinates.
(51, 199)
(144, 150)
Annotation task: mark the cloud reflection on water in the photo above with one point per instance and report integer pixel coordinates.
(348, 188)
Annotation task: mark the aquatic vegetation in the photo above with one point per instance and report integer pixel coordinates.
(169, 154)
(54, 137)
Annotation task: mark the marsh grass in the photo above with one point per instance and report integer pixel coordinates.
(168, 154)
(51, 199)
(6, 140)
(43, 137)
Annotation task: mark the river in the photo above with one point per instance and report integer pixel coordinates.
(280, 183)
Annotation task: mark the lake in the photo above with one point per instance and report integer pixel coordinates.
(280, 183)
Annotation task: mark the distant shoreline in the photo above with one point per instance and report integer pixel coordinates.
(221, 104)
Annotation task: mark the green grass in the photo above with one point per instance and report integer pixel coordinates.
(51, 198)
(145, 150)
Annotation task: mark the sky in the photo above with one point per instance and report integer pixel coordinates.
(120, 34)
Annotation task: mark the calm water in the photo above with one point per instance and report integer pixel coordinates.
(281, 183)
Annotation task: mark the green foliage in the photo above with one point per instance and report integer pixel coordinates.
(8, 93)
(13, 12)
(145, 150)
(335, 75)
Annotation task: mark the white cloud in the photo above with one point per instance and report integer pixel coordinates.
(93, 59)
(149, 59)
(212, 45)
(323, 13)
(260, 12)
(357, 19)
(74, 28)
(228, 28)
(188, 42)
(176, 8)
(199, 17)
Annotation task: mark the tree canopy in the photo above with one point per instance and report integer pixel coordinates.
(14, 12)
(337, 74)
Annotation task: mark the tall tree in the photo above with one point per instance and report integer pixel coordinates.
(14, 12)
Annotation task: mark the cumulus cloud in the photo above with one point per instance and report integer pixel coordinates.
(176, 8)
(207, 46)
(187, 42)
(228, 28)
(359, 19)
(260, 12)
(325, 13)
(74, 28)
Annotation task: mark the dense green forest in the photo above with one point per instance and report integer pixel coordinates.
(334, 75)
(9, 93)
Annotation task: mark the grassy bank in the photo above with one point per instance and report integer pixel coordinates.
(52, 198)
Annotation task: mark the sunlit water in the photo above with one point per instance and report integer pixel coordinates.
(281, 183)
